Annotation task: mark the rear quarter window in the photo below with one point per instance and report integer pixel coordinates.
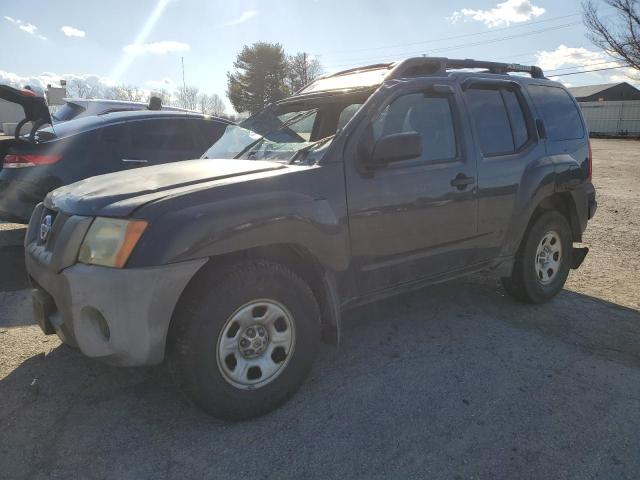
(560, 114)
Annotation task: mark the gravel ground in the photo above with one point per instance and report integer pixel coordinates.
(457, 381)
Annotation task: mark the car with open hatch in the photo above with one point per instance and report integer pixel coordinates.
(46, 158)
(366, 183)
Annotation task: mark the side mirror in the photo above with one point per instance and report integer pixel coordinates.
(396, 147)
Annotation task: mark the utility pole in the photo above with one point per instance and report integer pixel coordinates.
(305, 77)
(184, 85)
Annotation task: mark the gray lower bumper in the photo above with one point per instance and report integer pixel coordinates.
(119, 315)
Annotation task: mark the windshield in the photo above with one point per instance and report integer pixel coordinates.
(286, 134)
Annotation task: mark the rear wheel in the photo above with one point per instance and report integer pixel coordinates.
(543, 260)
(244, 339)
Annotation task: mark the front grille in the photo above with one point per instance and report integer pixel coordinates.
(53, 238)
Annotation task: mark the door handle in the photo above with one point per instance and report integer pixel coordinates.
(134, 160)
(462, 181)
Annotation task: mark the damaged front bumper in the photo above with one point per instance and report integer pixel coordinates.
(121, 316)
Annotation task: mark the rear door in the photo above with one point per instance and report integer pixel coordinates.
(504, 131)
(412, 219)
(156, 141)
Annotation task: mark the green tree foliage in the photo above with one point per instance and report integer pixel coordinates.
(259, 76)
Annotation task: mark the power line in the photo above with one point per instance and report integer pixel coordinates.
(456, 47)
(484, 32)
(587, 71)
(580, 66)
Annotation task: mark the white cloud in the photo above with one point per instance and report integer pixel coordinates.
(242, 18)
(39, 82)
(506, 13)
(564, 56)
(72, 32)
(29, 28)
(157, 48)
(584, 59)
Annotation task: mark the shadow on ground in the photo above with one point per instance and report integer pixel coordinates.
(451, 382)
(13, 275)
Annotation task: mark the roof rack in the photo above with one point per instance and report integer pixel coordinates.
(420, 66)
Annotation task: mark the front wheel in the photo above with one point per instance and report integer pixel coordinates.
(244, 339)
(543, 260)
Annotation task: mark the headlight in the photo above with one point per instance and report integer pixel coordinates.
(110, 241)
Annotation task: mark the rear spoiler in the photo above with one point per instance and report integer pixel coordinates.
(34, 106)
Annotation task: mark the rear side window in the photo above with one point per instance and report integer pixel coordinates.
(160, 134)
(112, 134)
(516, 118)
(491, 120)
(499, 120)
(559, 112)
(67, 112)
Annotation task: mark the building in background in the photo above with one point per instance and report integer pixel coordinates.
(11, 113)
(610, 109)
(608, 92)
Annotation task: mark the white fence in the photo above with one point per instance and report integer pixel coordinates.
(612, 118)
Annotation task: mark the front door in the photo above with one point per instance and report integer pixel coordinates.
(412, 219)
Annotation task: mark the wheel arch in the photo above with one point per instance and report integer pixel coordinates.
(564, 203)
(299, 260)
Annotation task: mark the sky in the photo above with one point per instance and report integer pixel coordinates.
(142, 42)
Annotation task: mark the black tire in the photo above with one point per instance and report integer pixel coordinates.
(202, 315)
(524, 284)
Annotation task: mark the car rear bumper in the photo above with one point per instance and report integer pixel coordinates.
(121, 316)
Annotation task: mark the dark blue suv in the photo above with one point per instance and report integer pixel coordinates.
(367, 183)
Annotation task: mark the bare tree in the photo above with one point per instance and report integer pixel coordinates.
(129, 93)
(620, 38)
(79, 88)
(302, 69)
(187, 97)
(210, 104)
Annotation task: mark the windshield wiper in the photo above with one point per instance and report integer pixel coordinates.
(310, 147)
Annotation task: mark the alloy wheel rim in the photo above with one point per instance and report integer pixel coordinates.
(255, 344)
(548, 257)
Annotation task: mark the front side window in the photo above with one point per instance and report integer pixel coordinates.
(559, 111)
(430, 116)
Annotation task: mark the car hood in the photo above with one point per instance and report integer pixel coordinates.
(119, 194)
(34, 106)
